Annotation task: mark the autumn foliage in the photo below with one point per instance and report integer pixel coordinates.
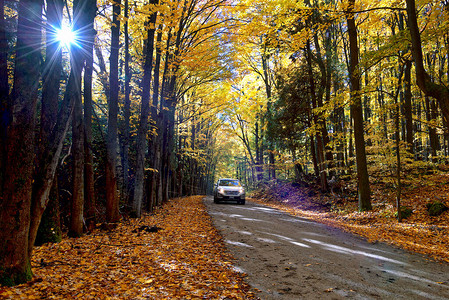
(420, 232)
(184, 259)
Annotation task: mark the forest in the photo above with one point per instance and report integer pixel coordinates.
(109, 109)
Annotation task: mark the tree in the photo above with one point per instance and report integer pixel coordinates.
(438, 91)
(4, 90)
(49, 229)
(15, 200)
(357, 112)
(89, 189)
(144, 113)
(112, 201)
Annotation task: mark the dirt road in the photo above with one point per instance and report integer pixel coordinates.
(288, 257)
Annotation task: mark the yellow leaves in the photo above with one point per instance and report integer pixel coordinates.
(185, 260)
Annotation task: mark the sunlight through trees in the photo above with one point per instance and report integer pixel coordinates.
(142, 101)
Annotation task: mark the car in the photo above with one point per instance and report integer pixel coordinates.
(229, 189)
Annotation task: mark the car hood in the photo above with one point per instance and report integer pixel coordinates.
(230, 188)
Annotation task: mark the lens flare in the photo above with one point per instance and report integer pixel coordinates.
(66, 36)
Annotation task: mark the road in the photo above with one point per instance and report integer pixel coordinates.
(289, 257)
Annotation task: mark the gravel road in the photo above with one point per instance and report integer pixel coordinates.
(288, 257)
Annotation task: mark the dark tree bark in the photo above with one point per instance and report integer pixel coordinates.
(160, 123)
(4, 91)
(433, 137)
(15, 200)
(89, 190)
(357, 112)
(318, 123)
(49, 159)
(266, 79)
(112, 201)
(50, 226)
(438, 91)
(103, 73)
(145, 111)
(77, 205)
(408, 107)
(259, 151)
(49, 116)
(126, 112)
(407, 96)
(153, 143)
(324, 89)
(78, 58)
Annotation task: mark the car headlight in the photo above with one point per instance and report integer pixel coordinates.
(241, 191)
(221, 190)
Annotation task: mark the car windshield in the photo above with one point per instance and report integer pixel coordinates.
(229, 182)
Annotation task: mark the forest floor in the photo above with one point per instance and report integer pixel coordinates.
(175, 253)
(420, 232)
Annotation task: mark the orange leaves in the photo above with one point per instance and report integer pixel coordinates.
(185, 259)
(420, 232)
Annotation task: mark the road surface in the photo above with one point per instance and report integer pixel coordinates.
(289, 257)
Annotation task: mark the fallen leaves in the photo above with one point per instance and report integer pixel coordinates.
(184, 258)
(420, 232)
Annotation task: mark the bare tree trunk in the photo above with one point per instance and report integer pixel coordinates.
(89, 191)
(314, 158)
(357, 112)
(126, 112)
(266, 79)
(143, 125)
(153, 143)
(74, 90)
(4, 91)
(15, 200)
(259, 152)
(49, 230)
(103, 73)
(77, 206)
(316, 120)
(432, 131)
(49, 115)
(408, 107)
(112, 201)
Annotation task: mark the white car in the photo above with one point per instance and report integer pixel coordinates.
(229, 189)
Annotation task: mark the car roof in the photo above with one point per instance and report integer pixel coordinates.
(227, 179)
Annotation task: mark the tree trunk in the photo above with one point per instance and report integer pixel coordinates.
(77, 205)
(112, 201)
(89, 190)
(4, 91)
(126, 112)
(266, 79)
(143, 125)
(50, 226)
(15, 200)
(49, 159)
(408, 114)
(314, 158)
(49, 114)
(438, 91)
(357, 112)
(103, 73)
(433, 138)
(318, 123)
(153, 143)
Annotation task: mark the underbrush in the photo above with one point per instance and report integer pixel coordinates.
(420, 231)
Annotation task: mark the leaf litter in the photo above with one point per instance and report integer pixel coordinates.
(175, 253)
(421, 232)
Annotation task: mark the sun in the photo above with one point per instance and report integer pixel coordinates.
(66, 36)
